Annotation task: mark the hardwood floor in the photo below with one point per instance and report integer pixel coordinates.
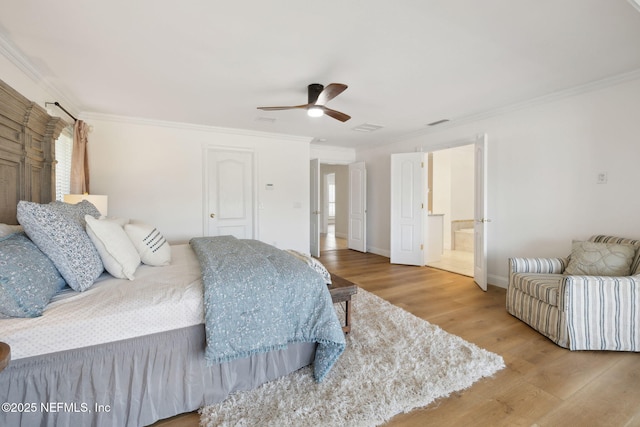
(542, 385)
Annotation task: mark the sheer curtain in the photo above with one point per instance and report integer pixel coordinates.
(79, 159)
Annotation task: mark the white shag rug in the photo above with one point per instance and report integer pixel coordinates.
(394, 362)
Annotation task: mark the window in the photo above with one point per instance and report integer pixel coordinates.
(64, 145)
(332, 199)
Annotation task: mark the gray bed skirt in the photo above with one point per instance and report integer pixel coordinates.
(133, 382)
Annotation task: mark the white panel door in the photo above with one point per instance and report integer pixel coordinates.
(315, 208)
(230, 194)
(481, 220)
(408, 194)
(357, 207)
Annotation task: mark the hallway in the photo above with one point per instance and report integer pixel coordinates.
(329, 241)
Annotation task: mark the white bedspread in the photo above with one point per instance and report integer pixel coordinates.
(159, 299)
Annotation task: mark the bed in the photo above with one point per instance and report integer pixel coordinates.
(122, 352)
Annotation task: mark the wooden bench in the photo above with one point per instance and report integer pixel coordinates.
(5, 355)
(341, 290)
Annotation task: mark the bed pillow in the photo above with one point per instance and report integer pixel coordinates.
(6, 229)
(76, 211)
(313, 263)
(600, 259)
(150, 243)
(64, 241)
(28, 278)
(119, 256)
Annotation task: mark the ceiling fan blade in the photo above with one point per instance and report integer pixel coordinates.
(329, 92)
(335, 114)
(284, 108)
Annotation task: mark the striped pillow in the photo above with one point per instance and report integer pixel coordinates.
(150, 243)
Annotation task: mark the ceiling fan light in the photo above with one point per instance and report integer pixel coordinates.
(315, 112)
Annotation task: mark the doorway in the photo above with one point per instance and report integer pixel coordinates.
(451, 180)
(334, 195)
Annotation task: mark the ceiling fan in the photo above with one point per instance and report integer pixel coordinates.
(318, 96)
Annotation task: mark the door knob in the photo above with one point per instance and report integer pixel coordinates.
(212, 215)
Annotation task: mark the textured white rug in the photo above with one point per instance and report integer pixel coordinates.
(394, 362)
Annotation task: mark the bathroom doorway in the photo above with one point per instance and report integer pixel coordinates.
(451, 180)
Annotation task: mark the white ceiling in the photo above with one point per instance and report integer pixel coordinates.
(407, 62)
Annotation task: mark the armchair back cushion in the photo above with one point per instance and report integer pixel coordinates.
(600, 259)
(635, 265)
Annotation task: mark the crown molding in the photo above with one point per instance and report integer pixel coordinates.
(13, 54)
(17, 58)
(541, 100)
(636, 4)
(192, 127)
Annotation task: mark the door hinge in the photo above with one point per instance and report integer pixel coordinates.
(422, 164)
(421, 247)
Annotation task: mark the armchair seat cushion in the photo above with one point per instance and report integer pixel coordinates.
(543, 287)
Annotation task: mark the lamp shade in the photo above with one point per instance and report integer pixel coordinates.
(100, 202)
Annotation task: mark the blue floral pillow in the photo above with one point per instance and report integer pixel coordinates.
(28, 279)
(64, 241)
(76, 211)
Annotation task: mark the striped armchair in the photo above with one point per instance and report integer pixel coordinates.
(577, 312)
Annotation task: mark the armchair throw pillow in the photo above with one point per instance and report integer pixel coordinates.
(600, 259)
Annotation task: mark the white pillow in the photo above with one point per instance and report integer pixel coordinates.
(313, 263)
(150, 243)
(119, 256)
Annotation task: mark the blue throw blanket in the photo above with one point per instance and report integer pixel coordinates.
(258, 298)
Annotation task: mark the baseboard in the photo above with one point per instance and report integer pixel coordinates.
(499, 281)
(382, 252)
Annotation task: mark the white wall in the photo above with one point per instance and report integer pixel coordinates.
(542, 166)
(153, 171)
(462, 182)
(333, 155)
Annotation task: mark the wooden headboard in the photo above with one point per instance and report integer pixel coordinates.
(27, 152)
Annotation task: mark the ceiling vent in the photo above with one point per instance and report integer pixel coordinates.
(439, 122)
(367, 127)
(266, 119)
